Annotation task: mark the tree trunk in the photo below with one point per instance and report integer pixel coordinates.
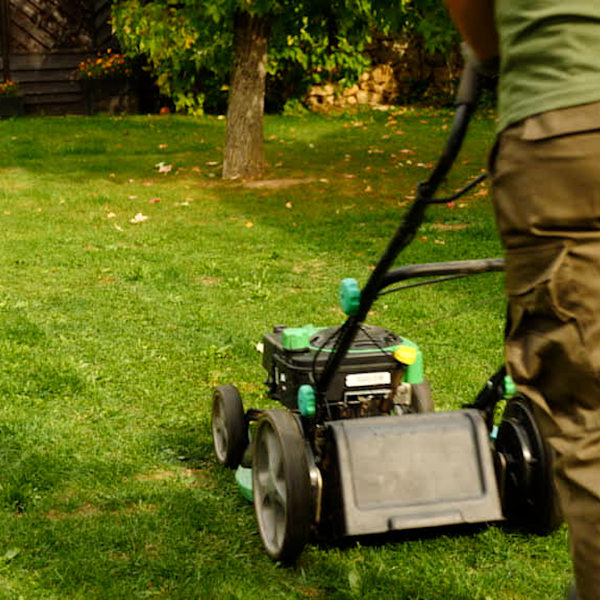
(244, 156)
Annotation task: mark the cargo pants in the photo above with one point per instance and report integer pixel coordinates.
(546, 190)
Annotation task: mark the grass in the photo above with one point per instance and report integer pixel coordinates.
(113, 335)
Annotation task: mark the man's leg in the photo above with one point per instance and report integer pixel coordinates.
(547, 201)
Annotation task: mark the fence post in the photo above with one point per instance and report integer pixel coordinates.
(5, 37)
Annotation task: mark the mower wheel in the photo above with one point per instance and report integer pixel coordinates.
(529, 497)
(229, 428)
(421, 399)
(281, 484)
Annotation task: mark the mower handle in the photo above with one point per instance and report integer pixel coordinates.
(443, 269)
(468, 86)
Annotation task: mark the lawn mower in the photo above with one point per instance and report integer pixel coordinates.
(357, 447)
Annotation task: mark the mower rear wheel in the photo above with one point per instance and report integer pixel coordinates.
(530, 499)
(281, 485)
(421, 399)
(229, 428)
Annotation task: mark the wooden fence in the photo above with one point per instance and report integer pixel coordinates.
(41, 44)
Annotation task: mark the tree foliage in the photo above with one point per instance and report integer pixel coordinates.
(189, 42)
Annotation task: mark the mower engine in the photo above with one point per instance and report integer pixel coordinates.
(376, 377)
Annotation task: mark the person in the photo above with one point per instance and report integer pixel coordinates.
(545, 170)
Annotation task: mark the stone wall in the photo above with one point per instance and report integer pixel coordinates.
(403, 72)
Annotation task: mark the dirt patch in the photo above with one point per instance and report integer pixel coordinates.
(87, 510)
(206, 280)
(277, 184)
(156, 476)
(450, 226)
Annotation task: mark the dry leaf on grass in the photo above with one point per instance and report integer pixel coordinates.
(139, 218)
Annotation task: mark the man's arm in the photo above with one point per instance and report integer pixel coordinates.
(475, 21)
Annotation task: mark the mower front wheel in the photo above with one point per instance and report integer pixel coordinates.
(281, 484)
(229, 428)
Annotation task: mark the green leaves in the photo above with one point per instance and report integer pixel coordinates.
(188, 43)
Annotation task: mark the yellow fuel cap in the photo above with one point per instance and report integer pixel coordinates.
(407, 355)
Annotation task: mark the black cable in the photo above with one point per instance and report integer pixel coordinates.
(420, 283)
(460, 193)
(314, 373)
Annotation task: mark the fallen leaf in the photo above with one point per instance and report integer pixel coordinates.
(163, 168)
(132, 197)
(139, 218)
(111, 215)
(112, 175)
(154, 200)
(451, 204)
(148, 183)
(212, 163)
(163, 146)
(288, 205)
(439, 242)
(249, 224)
(117, 227)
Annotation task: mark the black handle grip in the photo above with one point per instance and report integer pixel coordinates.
(468, 87)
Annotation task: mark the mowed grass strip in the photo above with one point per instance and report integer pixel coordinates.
(133, 280)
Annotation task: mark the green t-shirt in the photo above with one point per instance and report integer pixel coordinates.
(550, 53)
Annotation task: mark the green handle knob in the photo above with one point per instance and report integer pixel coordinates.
(307, 401)
(349, 296)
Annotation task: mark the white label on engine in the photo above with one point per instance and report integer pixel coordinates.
(362, 379)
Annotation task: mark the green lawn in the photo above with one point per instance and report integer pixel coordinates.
(113, 334)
